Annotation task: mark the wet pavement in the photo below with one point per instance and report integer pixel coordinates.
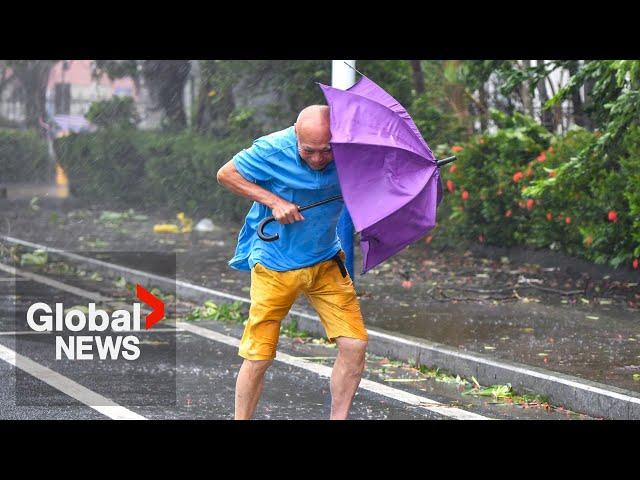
(534, 307)
(203, 375)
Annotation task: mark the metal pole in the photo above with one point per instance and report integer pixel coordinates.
(343, 77)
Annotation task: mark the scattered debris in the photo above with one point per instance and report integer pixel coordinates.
(39, 257)
(205, 225)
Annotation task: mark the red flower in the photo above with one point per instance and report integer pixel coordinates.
(481, 238)
(508, 213)
(517, 176)
(465, 195)
(635, 263)
(453, 168)
(542, 157)
(456, 148)
(450, 186)
(567, 220)
(613, 216)
(530, 204)
(549, 216)
(407, 284)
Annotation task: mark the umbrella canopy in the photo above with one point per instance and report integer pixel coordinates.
(389, 177)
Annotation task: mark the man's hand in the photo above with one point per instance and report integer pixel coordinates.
(285, 212)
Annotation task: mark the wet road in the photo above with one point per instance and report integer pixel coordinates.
(583, 336)
(189, 373)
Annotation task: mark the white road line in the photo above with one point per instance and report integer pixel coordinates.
(56, 284)
(324, 371)
(91, 399)
(321, 370)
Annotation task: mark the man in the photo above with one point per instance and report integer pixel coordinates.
(281, 171)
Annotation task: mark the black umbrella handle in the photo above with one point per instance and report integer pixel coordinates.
(275, 236)
(442, 163)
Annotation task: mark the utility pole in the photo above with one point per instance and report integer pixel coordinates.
(343, 76)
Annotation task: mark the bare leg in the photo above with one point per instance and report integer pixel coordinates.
(249, 387)
(346, 374)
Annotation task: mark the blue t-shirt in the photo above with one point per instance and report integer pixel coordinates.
(273, 162)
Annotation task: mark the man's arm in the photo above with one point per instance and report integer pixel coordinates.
(283, 211)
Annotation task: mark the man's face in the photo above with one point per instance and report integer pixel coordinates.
(317, 155)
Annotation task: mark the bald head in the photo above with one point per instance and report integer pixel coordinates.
(314, 133)
(312, 124)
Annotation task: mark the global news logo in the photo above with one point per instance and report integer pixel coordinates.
(42, 318)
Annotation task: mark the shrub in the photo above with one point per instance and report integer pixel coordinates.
(23, 157)
(132, 167)
(104, 165)
(487, 170)
(115, 112)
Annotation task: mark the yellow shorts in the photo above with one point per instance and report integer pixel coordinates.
(273, 293)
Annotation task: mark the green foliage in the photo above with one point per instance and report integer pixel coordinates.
(115, 112)
(253, 97)
(181, 173)
(23, 157)
(436, 125)
(558, 201)
(290, 329)
(484, 169)
(107, 165)
(224, 312)
(588, 191)
(129, 167)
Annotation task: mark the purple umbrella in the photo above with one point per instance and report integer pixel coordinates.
(389, 177)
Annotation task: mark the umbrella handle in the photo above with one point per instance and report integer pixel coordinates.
(275, 236)
(442, 163)
(269, 219)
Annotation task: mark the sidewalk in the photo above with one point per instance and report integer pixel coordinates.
(457, 297)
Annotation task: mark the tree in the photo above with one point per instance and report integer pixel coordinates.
(33, 77)
(164, 79)
(418, 76)
(256, 96)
